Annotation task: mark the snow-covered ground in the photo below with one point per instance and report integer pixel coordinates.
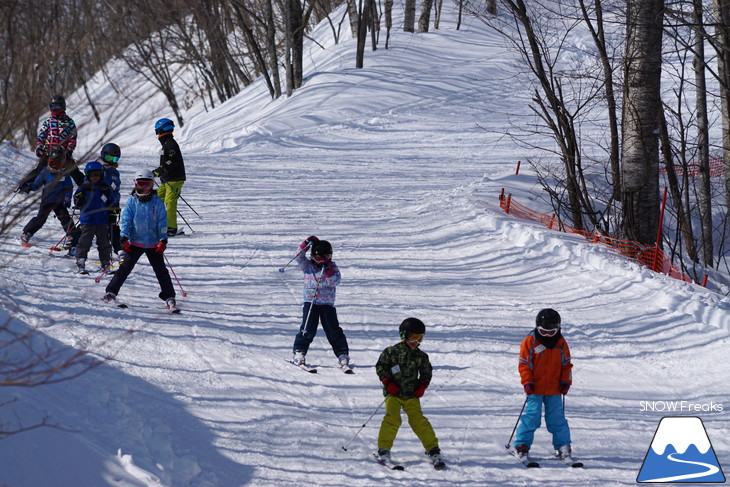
(388, 164)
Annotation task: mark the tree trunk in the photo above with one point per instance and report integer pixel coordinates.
(409, 16)
(705, 195)
(722, 39)
(640, 170)
(425, 17)
(354, 16)
(388, 6)
(271, 49)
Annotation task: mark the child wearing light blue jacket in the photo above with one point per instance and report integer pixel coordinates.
(143, 230)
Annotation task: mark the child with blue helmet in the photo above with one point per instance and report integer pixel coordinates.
(171, 172)
(92, 200)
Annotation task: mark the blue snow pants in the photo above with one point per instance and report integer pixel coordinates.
(328, 314)
(554, 420)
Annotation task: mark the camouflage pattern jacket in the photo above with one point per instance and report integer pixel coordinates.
(406, 366)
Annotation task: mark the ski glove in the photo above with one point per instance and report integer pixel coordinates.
(421, 389)
(113, 215)
(529, 388)
(157, 172)
(40, 151)
(391, 386)
(308, 241)
(79, 199)
(125, 245)
(329, 270)
(24, 188)
(564, 386)
(161, 246)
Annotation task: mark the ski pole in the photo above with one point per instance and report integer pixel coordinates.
(281, 269)
(72, 226)
(178, 211)
(184, 293)
(344, 447)
(106, 269)
(180, 196)
(507, 446)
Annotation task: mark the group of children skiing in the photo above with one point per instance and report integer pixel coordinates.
(405, 371)
(149, 218)
(146, 221)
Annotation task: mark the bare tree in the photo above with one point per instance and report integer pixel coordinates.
(640, 148)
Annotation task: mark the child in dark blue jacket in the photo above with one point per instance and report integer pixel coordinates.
(93, 199)
(56, 197)
(109, 158)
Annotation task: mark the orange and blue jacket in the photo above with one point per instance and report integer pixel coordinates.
(545, 367)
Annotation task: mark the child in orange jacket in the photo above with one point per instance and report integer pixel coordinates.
(546, 374)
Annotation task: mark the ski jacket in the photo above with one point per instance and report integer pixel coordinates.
(172, 166)
(56, 131)
(406, 366)
(56, 189)
(95, 209)
(545, 367)
(144, 223)
(312, 273)
(112, 179)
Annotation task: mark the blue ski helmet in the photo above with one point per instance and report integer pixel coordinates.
(164, 125)
(93, 166)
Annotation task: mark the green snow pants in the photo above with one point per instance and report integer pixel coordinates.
(392, 421)
(169, 192)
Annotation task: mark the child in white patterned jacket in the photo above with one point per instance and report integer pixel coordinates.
(321, 277)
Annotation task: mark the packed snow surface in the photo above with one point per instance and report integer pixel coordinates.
(399, 165)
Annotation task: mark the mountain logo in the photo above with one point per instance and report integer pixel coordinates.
(680, 452)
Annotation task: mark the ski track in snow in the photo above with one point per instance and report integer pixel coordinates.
(409, 199)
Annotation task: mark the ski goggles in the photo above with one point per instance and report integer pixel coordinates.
(111, 158)
(415, 337)
(322, 258)
(143, 184)
(547, 332)
(56, 165)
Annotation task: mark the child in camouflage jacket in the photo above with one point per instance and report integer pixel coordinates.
(405, 372)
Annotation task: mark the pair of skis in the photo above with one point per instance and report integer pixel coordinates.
(528, 462)
(171, 309)
(438, 464)
(313, 370)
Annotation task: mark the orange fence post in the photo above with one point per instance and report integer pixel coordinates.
(517, 171)
(704, 281)
(509, 200)
(552, 220)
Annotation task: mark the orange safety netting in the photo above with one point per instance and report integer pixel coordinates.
(716, 169)
(648, 256)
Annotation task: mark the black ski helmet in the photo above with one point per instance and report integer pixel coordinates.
(548, 319)
(321, 248)
(58, 103)
(111, 149)
(411, 325)
(57, 160)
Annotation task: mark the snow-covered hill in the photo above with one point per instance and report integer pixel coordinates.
(388, 164)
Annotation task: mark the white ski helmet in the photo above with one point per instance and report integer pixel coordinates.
(145, 174)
